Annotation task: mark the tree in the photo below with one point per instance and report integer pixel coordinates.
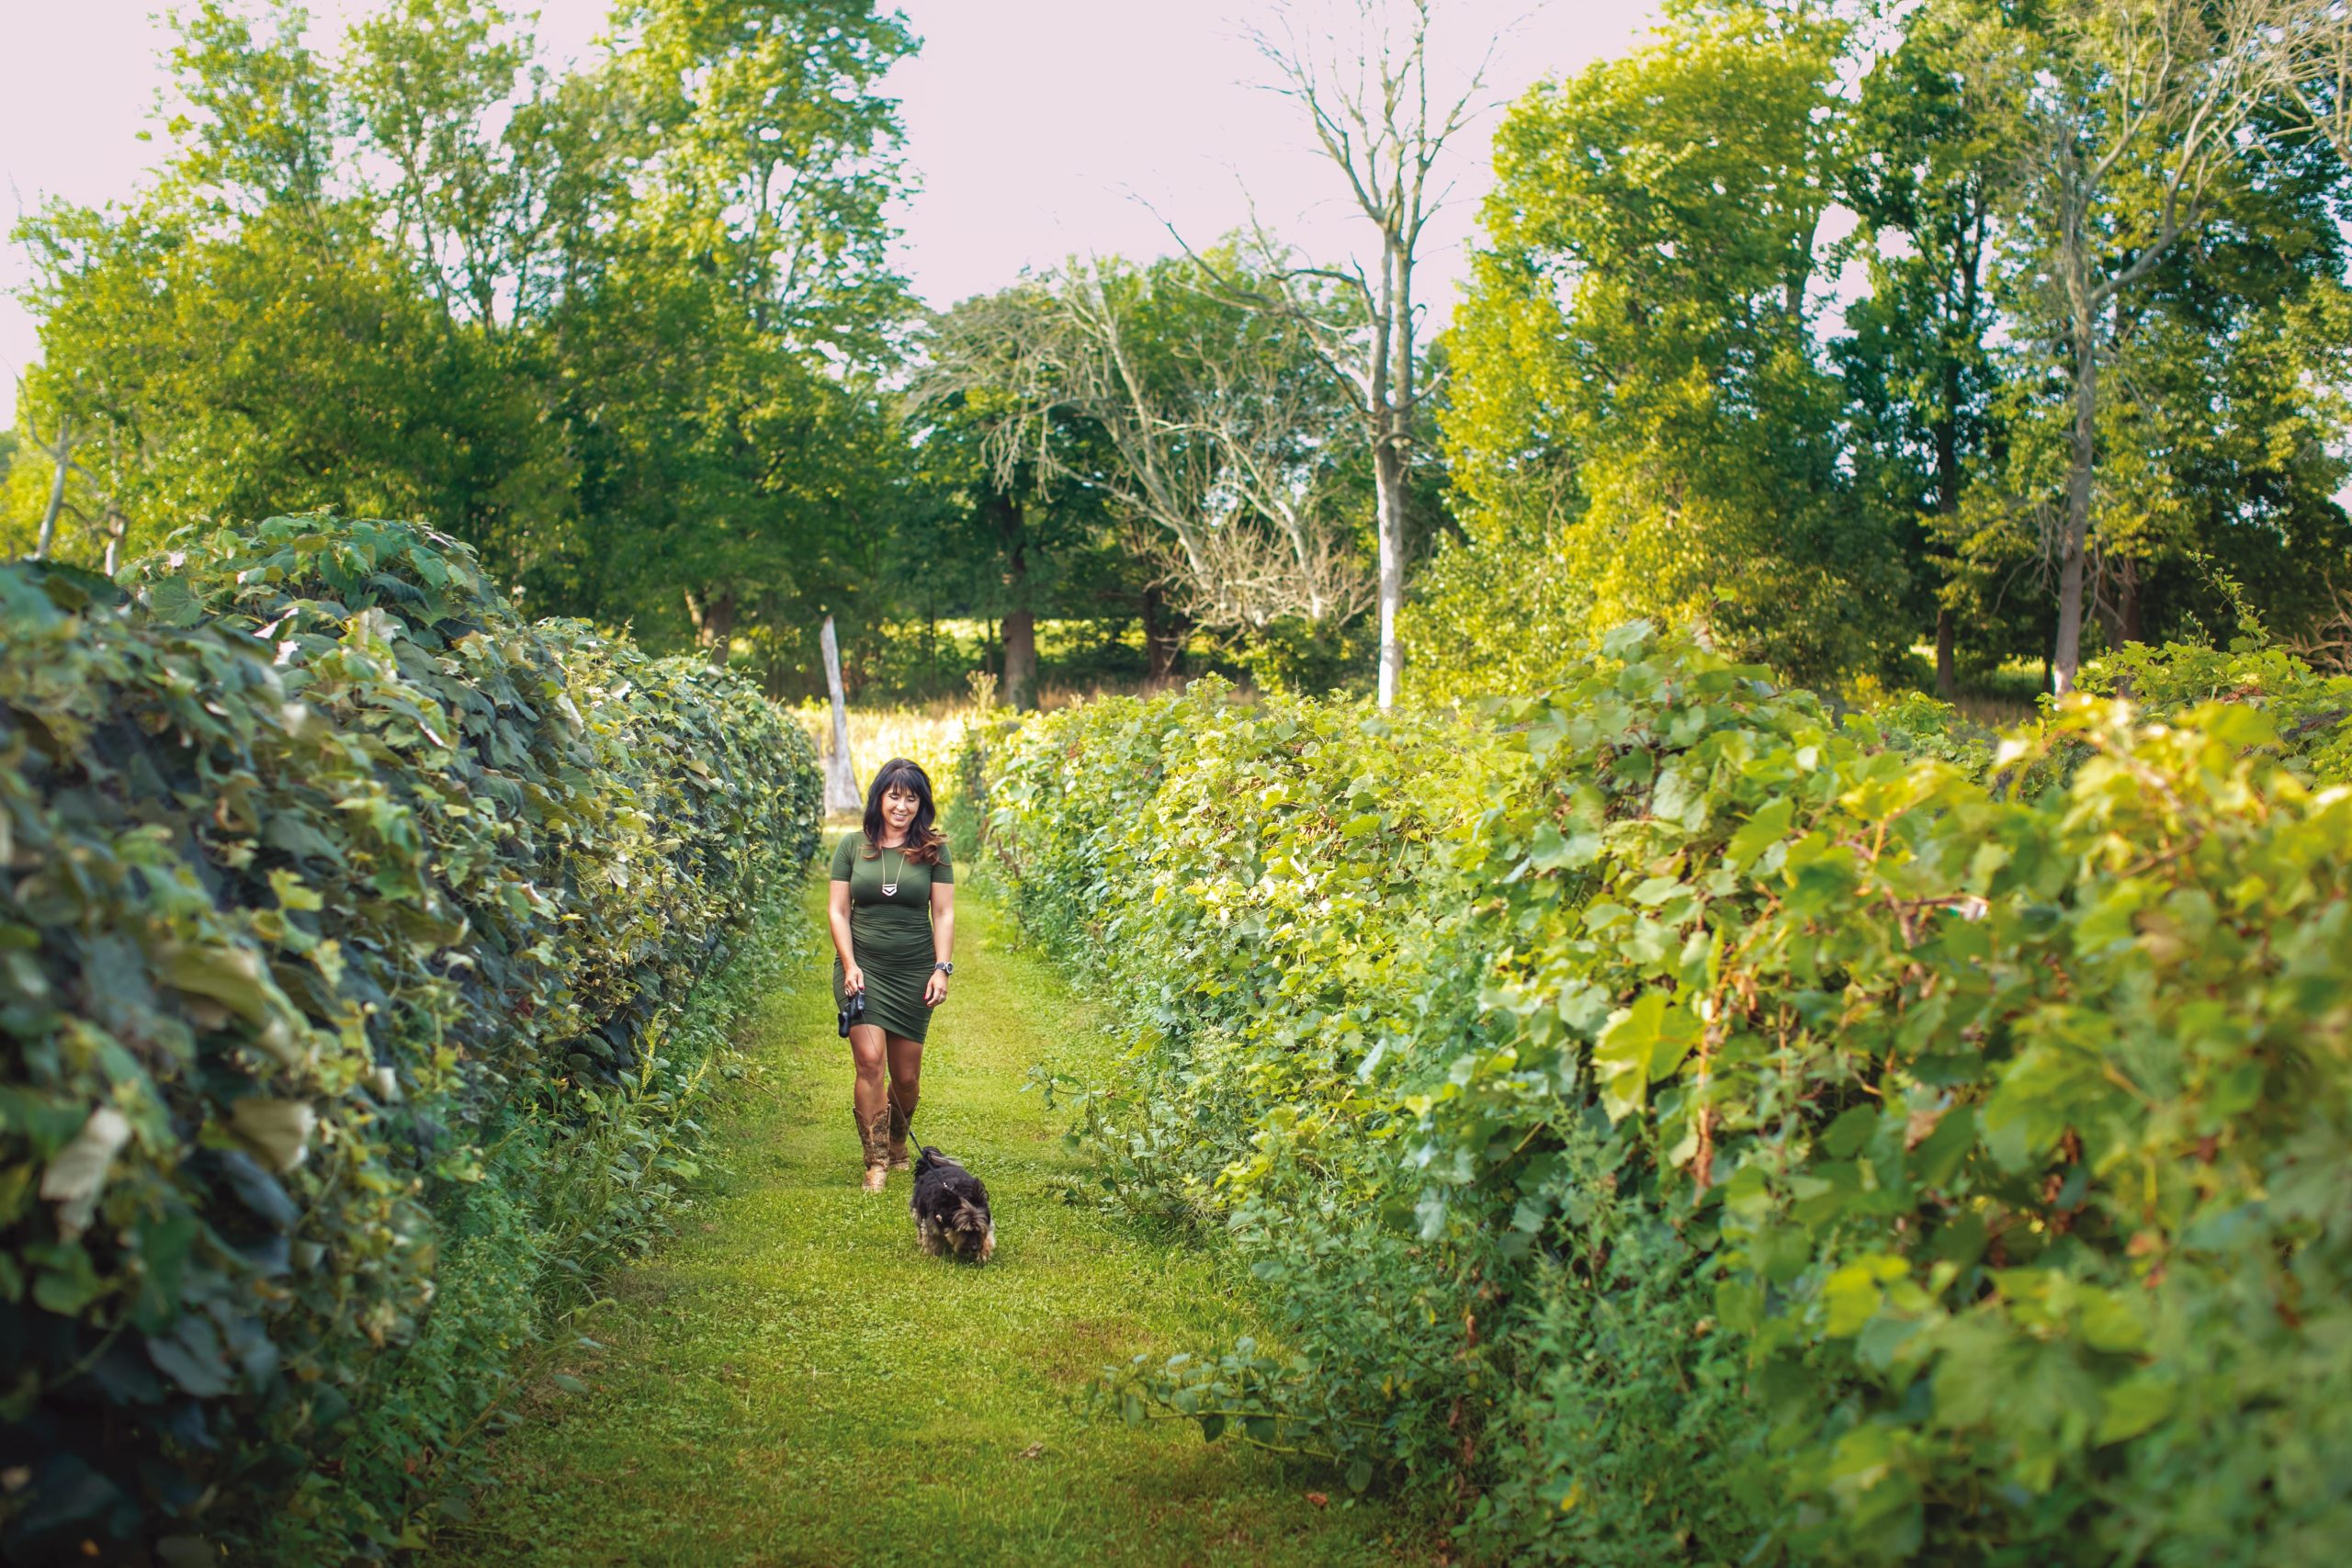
(1177, 406)
(622, 328)
(255, 120)
(736, 456)
(1643, 424)
(1369, 97)
(2128, 118)
(483, 213)
(1918, 172)
(994, 536)
(2310, 64)
(245, 339)
(60, 453)
(775, 157)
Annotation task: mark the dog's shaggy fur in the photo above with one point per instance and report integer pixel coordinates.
(951, 1210)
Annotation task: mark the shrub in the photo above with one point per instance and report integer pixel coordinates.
(1268, 891)
(2311, 712)
(1726, 1136)
(328, 875)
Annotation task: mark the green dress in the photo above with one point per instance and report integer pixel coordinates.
(890, 932)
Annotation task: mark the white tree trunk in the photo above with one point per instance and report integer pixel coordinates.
(842, 792)
(1388, 473)
(64, 455)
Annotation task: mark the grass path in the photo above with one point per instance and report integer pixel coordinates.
(790, 1381)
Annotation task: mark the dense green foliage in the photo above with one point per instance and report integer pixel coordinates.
(352, 939)
(1673, 1125)
(1666, 1117)
(1772, 330)
(1780, 323)
(618, 327)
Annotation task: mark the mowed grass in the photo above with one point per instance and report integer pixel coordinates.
(791, 1381)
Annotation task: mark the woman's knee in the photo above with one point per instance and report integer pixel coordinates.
(906, 1066)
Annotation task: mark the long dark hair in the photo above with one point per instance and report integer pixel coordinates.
(922, 844)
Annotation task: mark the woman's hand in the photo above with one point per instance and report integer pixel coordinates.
(853, 978)
(934, 990)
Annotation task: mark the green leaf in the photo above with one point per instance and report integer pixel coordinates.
(1847, 1134)
(1551, 850)
(1642, 1044)
(171, 602)
(2109, 1321)
(190, 1356)
(1767, 827)
(66, 1292)
(2134, 1405)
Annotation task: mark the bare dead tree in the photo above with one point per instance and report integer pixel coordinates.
(1212, 436)
(2327, 643)
(2122, 140)
(2312, 62)
(1249, 578)
(1368, 94)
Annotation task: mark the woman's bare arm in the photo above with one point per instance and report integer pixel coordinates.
(942, 938)
(837, 916)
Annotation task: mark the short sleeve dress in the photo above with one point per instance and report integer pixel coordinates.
(889, 930)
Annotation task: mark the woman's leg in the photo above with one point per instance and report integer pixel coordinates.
(869, 1100)
(906, 1089)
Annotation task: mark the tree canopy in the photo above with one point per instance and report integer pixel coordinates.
(1914, 343)
(1805, 323)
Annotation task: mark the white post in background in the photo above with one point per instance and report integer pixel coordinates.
(842, 792)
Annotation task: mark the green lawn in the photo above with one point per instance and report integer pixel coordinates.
(791, 1381)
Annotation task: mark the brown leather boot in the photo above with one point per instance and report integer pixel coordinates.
(874, 1134)
(897, 1150)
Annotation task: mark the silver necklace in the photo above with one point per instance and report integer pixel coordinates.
(890, 889)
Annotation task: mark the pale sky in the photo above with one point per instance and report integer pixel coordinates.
(1036, 127)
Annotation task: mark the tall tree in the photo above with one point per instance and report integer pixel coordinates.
(738, 334)
(2129, 120)
(1179, 406)
(999, 538)
(621, 328)
(481, 204)
(1920, 172)
(1383, 122)
(776, 157)
(254, 124)
(1644, 424)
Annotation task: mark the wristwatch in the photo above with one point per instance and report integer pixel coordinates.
(945, 968)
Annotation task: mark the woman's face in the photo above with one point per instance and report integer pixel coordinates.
(898, 804)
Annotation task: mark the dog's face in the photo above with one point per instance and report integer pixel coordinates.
(969, 1234)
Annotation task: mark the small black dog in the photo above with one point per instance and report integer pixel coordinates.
(951, 1209)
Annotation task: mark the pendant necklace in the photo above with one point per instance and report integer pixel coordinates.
(890, 889)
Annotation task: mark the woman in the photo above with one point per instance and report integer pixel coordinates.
(894, 927)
